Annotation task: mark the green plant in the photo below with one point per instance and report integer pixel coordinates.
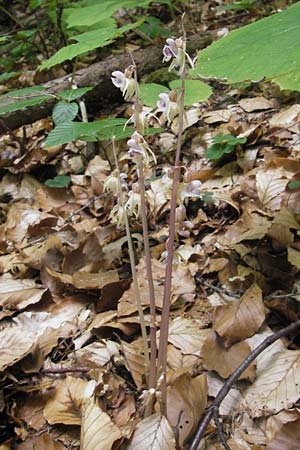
(268, 48)
(222, 145)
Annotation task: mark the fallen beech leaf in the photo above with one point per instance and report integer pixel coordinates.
(286, 117)
(270, 185)
(186, 335)
(15, 344)
(294, 256)
(47, 442)
(98, 432)
(283, 431)
(135, 361)
(85, 280)
(66, 404)
(97, 354)
(15, 295)
(242, 318)
(224, 361)
(255, 104)
(276, 387)
(186, 402)
(153, 433)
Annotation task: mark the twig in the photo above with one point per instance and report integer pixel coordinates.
(219, 428)
(235, 376)
(63, 370)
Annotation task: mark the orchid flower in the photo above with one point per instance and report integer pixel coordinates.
(176, 49)
(133, 204)
(112, 182)
(125, 82)
(139, 147)
(168, 105)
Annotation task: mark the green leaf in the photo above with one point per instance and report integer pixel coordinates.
(267, 48)
(294, 184)
(8, 105)
(149, 93)
(98, 130)
(19, 93)
(64, 112)
(87, 42)
(8, 75)
(100, 10)
(249, 4)
(223, 144)
(195, 91)
(71, 94)
(60, 181)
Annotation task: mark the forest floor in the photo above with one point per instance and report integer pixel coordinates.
(71, 355)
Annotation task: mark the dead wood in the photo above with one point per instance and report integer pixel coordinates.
(98, 76)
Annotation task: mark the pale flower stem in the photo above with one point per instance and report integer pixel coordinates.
(164, 327)
(133, 271)
(153, 349)
(141, 181)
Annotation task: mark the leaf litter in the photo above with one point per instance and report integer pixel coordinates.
(71, 359)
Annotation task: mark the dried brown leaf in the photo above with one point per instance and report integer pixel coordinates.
(153, 433)
(242, 318)
(15, 344)
(186, 402)
(98, 432)
(66, 404)
(276, 387)
(224, 361)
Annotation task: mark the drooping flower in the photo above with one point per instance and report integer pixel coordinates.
(118, 216)
(125, 82)
(168, 105)
(112, 182)
(192, 189)
(133, 204)
(176, 49)
(138, 147)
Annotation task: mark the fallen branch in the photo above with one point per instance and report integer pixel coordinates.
(98, 76)
(234, 377)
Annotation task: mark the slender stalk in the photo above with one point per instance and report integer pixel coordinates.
(164, 327)
(141, 181)
(133, 271)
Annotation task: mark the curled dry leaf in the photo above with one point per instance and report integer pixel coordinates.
(224, 361)
(15, 344)
(66, 405)
(153, 433)
(242, 318)
(186, 402)
(98, 432)
(15, 295)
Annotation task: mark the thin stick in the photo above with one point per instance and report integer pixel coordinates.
(164, 328)
(235, 376)
(133, 270)
(219, 428)
(63, 370)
